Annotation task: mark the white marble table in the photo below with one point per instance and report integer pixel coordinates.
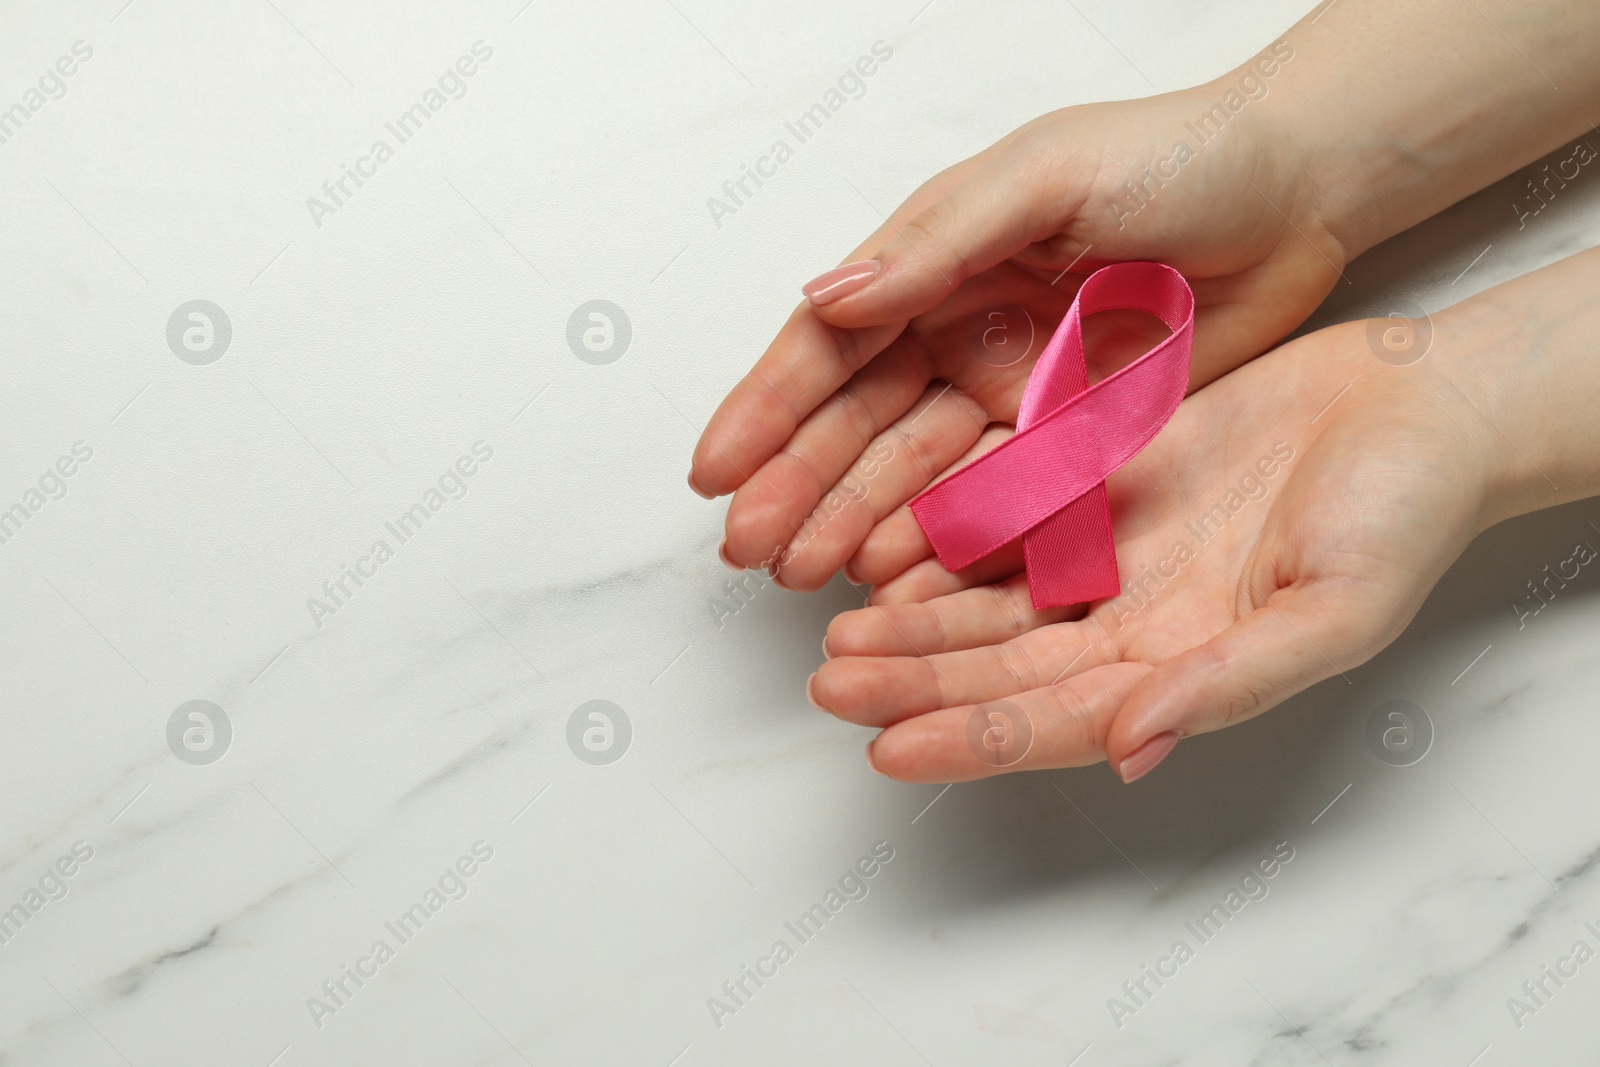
(398, 857)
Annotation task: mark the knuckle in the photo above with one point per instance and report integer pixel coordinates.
(1018, 665)
(922, 460)
(941, 638)
(933, 683)
(1010, 597)
(927, 234)
(857, 413)
(847, 350)
(1082, 729)
(1247, 699)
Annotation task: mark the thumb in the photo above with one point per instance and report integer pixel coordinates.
(1300, 636)
(931, 245)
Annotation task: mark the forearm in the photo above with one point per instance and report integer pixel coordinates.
(1401, 109)
(1526, 357)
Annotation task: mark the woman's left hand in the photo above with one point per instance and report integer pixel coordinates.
(1284, 527)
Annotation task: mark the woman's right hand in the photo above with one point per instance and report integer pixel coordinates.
(847, 416)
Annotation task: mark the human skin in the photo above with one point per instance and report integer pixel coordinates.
(1384, 114)
(1395, 470)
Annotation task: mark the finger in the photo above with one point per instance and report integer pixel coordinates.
(923, 197)
(893, 468)
(1002, 207)
(897, 542)
(832, 437)
(1298, 637)
(802, 367)
(891, 548)
(972, 618)
(1066, 727)
(927, 580)
(770, 507)
(880, 690)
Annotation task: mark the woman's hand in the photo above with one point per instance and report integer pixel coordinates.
(1283, 528)
(1330, 140)
(847, 415)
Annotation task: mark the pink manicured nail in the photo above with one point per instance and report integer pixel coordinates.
(872, 762)
(699, 491)
(1143, 759)
(839, 282)
(727, 561)
(810, 684)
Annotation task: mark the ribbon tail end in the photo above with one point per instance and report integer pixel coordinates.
(1082, 590)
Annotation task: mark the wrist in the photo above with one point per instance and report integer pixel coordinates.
(1487, 357)
(1344, 173)
(1278, 105)
(1390, 136)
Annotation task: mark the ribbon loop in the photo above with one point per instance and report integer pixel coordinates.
(1047, 483)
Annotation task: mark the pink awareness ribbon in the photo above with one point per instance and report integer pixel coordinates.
(1047, 483)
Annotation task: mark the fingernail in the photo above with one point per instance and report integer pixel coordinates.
(839, 282)
(825, 653)
(772, 575)
(1143, 759)
(850, 575)
(810, 695)
(699, 491)
(727, 560)
(872, 762)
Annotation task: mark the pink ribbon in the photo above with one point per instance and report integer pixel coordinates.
(1047, 484)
